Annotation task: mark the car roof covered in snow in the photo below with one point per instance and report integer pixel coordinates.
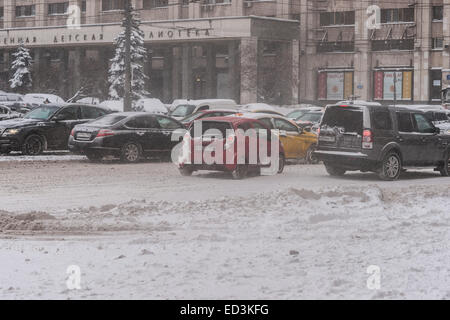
(230, 119)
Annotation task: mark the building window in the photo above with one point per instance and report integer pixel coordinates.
(150, 4)
(337, 18)
(83, 6)
(397, 15)
(390, 84)
(437, 43)
(333, 85)
(339, 46)
(1, 12)
(26, 11)
(438, 13)
(58, 8)
(387, 45)
(109, 5)
(435, 84)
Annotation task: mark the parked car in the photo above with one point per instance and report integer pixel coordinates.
(6, 113)
(34, 100)
(309, 120)
(297, 113)
(89, 100)
(129, 136)
(380, 139)
(151, 105)
(45, 128)
(440, 119)
(184, 110)
(188, 165)
(14, 101)
(206, 114)
(297, 143)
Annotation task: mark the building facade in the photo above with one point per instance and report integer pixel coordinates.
(275, 51)
(232, 49)
(375, 50)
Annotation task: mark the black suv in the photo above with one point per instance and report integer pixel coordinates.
(46, 127)
(380, 139)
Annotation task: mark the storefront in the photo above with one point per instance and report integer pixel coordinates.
(203, 58)
(335, 84)
(390, 85)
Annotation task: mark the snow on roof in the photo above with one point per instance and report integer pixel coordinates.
(40, 97)
(114, 105)
(151, 105)
(258, 106)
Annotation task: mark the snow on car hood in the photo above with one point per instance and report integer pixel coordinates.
(18, 123)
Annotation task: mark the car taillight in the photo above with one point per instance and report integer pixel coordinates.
(72, 133)
(318, 130)
(105, 133)
(367, 140)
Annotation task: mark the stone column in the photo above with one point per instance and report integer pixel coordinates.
(36, 68)
(295, 69)
(233, 73)
(186, 76)
(308, 71)
(41, 13)
(174, 9)
(74, 71)
(211, 73)
(362, 78)
(9, 15)
(422, 53)
(167, 75)
(176, 73)
(93, 9)
(194, 10)
(237, 8)
(446, 51)
(283, 7)
(249, 70)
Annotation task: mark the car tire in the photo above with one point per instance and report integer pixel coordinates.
(131, 152)
(33, 145)
(391, 167)
(94, 156)
(444, 169)
(310, 158)
(240, 172)
(334, 170)
(186, 171)
(281, 163)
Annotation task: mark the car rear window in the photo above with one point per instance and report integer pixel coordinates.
(108, 120)
(348, 118)
(206, 125)
(404, 121)
(381, 120)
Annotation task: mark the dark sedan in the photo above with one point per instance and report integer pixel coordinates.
(45, 128)
(129, 136)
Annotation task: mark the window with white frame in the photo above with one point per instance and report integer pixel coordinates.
(58, 8)
(26, 11)
(109, 5)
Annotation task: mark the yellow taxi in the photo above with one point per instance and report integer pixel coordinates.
(297, 143)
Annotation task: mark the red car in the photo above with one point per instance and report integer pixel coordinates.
(211, 113)
(240, 148)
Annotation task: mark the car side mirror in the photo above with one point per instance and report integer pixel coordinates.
(300, 130)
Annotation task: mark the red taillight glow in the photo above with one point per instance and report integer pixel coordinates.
(105, 133)
(72, 132)
(367, 140)
(344, 106)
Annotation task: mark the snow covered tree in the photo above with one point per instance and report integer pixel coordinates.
(138, 57)
(21, 79)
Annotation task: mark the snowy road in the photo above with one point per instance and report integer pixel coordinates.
(143, 231)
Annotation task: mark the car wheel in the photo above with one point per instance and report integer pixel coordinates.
(186, 171)
(94, 156)
(444, 169)
(240, 172)
(281, 163)
(334, 171)
(33, 145)
(310, 158)
(391, 167)
(130, 152)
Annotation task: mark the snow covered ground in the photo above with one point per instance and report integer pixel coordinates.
(144, 231)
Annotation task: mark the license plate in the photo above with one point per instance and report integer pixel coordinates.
(327, 138)
(83, 135)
